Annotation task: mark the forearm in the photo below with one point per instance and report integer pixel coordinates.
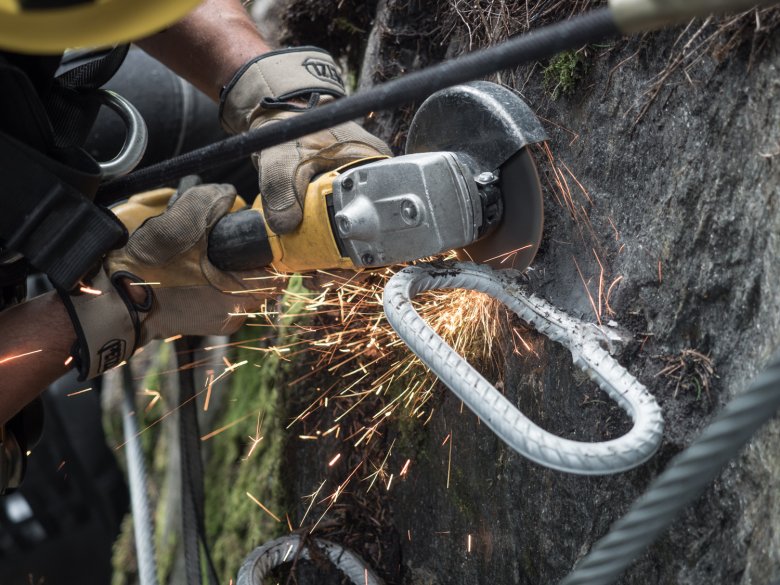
(209, 45)
(36, 340)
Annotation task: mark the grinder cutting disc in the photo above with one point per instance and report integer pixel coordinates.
(515, 241)
(491, 127)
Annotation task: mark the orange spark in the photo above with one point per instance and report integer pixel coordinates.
(214, 433)
(507, 255)
(77, 392)
(601, 279)
(405, 468)
(312, 497)
(21, 355)
(587, 290)
(91, 291)
(449, 460)
(69, 361)
(266, 510)
(209, 385)
(155, 399)
(609, 295)
(255, 441)
(614, 228)
(333, 461)
(172, 338)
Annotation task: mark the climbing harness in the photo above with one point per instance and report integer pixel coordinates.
(584, 340)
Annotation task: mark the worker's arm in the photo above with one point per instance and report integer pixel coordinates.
(209, 45)
(218, 49)
(36, 341)
(159, 285)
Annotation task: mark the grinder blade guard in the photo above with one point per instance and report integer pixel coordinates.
(490, 129)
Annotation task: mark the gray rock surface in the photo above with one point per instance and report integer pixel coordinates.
(683, 205)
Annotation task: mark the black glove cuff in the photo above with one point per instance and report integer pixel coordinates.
(107, 325)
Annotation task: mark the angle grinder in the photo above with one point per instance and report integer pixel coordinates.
(467, 183)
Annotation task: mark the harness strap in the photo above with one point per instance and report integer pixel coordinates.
(72, 110)
(58, 230)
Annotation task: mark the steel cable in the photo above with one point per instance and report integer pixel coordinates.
(686, 477)
(538, 44)
(141, 509)
(501, 416)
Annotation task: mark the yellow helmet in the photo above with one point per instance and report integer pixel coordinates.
(51, 26)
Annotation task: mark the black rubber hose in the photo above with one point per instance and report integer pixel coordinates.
(542, 43)
(683, 481)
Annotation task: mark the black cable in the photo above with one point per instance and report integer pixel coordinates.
(542, 43)
(683, 481)
(193, 497)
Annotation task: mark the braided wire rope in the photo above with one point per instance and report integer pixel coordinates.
(686, 477)
(139, 498)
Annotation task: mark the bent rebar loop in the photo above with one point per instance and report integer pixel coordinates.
(261, 561)
(583, 340)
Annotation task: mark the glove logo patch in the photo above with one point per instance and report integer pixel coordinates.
(323, 71)
(111, 354)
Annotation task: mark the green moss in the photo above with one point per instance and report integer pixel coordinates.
(563, 72)
(411, 436)
(234, 521)
(342, 24)
(123, 558)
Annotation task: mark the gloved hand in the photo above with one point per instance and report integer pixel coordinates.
(193, 297)
(274, 87)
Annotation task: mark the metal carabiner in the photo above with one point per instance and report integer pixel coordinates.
(136, 137)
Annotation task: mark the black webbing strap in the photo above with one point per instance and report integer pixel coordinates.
(192, 501)
(22, 114)
(58, 230)
(72, 108)
(47, 214)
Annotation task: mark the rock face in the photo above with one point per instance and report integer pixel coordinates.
(680, 221)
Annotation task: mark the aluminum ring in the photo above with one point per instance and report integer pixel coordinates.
(136, 137)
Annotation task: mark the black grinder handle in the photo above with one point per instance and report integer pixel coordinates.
(239, 241)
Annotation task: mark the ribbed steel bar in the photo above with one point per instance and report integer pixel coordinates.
(275, 553)
(498, 413)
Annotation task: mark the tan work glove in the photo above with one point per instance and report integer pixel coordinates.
(184, 293)
(266, 90)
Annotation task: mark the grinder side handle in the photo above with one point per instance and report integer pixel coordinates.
(240, 241)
